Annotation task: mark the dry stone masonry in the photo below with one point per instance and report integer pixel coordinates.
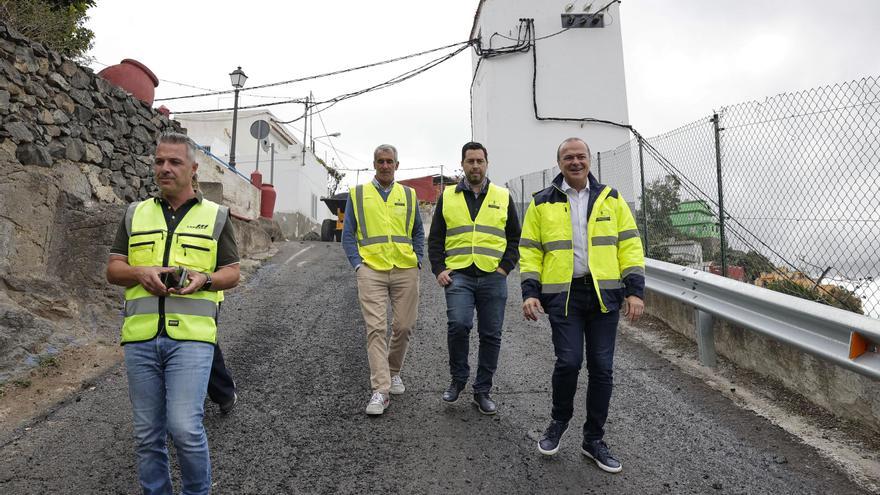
(73, 151)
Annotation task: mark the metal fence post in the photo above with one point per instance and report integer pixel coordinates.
(543, 179)
(705, 338)
(644, 199)
(522, 198)
(599, 164)
(717, 123)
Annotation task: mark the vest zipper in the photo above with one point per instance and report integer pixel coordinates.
(190, 246)
(157, 231)
(200, 236)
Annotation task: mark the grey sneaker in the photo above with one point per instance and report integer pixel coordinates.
(549, 442)
(397, 386)
(598, 451)
(378, 403)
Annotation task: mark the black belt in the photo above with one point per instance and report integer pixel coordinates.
(585, 280)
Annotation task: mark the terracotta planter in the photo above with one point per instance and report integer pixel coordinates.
(134, 77)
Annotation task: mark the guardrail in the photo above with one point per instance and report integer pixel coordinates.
(215, 157)
(844, 338)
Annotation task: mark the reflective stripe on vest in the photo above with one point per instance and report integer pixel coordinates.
(480, 241)
(194, 246)
(551, 260)
(384, 227)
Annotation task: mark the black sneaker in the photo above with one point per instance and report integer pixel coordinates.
(598, 451)
(549, 442)
(485, 403)
(451, 394)
(229, 406)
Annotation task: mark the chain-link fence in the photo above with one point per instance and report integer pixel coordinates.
(797, 176)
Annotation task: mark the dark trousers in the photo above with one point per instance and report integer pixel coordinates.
(221, 386)
(488, 294)
(584, 327)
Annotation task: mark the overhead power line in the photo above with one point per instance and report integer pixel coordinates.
(326, 104)
(295, 100)
(318, 76)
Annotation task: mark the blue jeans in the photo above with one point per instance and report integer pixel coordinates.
(488, 294)
(167, 383)
(585, 326)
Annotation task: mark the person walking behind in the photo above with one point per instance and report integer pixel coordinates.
(170, 326)
(581, 260)
(473, 247)
(384, 240)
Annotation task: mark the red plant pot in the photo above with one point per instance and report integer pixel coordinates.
(134, 77)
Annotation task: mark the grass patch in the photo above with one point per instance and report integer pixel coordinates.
(46, 362)
(22, 383)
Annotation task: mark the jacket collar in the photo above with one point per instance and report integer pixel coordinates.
(464, 185)
(595, 186)
(161, 200)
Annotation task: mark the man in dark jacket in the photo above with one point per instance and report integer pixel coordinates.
(473, 247)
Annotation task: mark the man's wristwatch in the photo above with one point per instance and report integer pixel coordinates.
(208, 282)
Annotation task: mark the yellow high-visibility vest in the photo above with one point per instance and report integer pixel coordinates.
(546, 250)
(384, 227)
(480, 241)
(194, 246)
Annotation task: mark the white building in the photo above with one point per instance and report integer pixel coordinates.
(580, 74)
(299, 183)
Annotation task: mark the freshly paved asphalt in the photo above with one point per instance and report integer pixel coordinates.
(294, 338)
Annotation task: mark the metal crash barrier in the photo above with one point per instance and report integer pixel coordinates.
(844, 338)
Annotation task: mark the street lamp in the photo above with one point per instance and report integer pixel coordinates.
(334, 134)
(238, 78)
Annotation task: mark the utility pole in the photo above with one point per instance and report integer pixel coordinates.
(305, 129)
(272, 164)
(717, 123)
(644, 194)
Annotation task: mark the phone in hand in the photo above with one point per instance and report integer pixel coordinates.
(177, 279)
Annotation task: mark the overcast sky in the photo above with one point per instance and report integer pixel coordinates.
(683, 59)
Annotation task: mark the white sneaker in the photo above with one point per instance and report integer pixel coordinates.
(378, 403)
(397, 386)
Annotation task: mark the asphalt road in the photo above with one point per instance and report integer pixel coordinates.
(294, 339)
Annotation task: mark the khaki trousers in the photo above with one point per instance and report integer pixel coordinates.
(374, 289)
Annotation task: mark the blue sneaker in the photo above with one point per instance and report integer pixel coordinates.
(598, 451)
(549, 442)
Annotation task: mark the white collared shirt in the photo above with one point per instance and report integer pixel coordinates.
(580, 203)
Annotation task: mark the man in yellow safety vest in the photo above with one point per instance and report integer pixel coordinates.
(473, 247)
(170, 324)
(384, 240)
(581, 262)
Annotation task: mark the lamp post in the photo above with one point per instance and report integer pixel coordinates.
(238, 78)
(332, 134)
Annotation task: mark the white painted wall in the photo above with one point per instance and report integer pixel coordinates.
(580, 74)
(242, 198)
(298, 186)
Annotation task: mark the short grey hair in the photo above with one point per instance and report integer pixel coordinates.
(179, 138)
(569, 140)
(385, 147)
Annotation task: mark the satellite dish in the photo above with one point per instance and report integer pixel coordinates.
(260, 129)
(264, 143)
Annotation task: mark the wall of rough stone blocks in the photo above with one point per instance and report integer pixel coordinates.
(74, 150)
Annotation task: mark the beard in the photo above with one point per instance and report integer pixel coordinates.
(475, 179)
